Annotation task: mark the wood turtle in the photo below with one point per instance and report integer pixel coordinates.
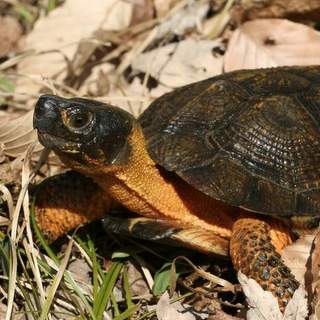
(227, 165)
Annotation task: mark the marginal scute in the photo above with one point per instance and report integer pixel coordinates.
(309, 201)
(311, 101)
(264, 198)
(226, 180)
(276, 81)
(264, 125)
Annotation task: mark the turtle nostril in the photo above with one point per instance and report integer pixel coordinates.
(44, 107)
(45, 112)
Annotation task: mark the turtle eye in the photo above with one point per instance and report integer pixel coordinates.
(78, 121)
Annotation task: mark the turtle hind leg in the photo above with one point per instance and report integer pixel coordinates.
(65, 201)
(253, 253)
(168, 232)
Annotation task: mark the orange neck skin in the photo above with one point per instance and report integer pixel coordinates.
(144, 188)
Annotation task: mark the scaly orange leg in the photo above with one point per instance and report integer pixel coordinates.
(253, 253)
(65, 201)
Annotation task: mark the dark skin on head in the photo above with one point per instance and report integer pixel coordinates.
(82, 128)
(107, 144)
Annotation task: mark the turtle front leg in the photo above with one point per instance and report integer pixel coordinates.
(65, 201)
(253, 253)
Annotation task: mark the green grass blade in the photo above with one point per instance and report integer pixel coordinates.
(127, 314)
(24, 12)
(127, 289)
(115, 306)
(34, 303)
(6, 85)
(5, 256)
(40, 237)
(52, 4)
(95, 269)
(104, 293)
(54, 286)
(68, 278)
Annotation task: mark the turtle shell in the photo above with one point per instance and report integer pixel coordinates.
(250, 138)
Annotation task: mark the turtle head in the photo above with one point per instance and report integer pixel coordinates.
(83, 132)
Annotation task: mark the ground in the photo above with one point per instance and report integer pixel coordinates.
(126, 53)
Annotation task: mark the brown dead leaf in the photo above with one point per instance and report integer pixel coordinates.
(297, 308)
(132, 97)
(142, 10)
(10, 33)
(98, 82)
(315, 274)
(137, 283)
(271, 43)
(80, 271)
(295, 9)
(177, 311)
(264, 306)
(7, 174)
(15, 316)
(57, 36)
(221, 315)
(296, 256)
(3, 310)
(214, 26)
(177, 64)
(16, 135)
(163, 6)
(189, 17)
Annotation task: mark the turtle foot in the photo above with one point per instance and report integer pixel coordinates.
(253, 253)
(65, 201)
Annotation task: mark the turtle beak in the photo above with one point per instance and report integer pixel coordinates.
(46, 120)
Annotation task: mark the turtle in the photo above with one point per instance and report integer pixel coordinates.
(228, 165)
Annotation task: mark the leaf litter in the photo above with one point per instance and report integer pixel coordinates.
(271, 43)
(128, 53)
(306, 11)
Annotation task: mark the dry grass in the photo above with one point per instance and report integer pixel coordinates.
(35, 281)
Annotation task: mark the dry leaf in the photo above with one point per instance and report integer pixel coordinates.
(297, 308)
(188, 18)
(264, 306)
(16, 135)
(163, 6)
(296, 255)
(7, 174)
(80, 271)
(315, 274)
(3, 310)
(177, 64)
(133, 97)
(213, 27)
(271, 43)
(137, 283)
(142, 11)
(296, 9)
(10, 33)
(98, 82)
(221, 315)
(15, 315)
(176, 311)
(59, 33)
